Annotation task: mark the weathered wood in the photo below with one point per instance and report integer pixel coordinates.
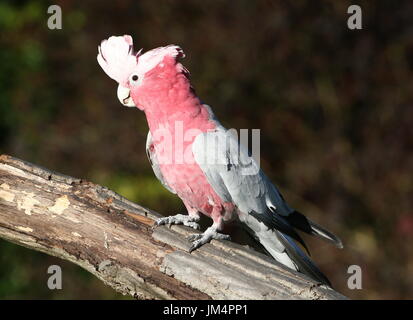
(114, 239)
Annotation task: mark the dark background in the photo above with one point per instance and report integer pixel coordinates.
(334, 107)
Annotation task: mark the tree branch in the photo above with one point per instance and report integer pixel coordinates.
(114, 239)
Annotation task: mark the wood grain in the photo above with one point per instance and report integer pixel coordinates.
(114, 239)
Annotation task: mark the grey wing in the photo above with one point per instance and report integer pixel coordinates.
(150, 152)
(235, 176)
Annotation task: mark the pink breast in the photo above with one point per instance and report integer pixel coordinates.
(187, 178)
(174, 111)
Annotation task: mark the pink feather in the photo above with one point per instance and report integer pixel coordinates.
(118, 59)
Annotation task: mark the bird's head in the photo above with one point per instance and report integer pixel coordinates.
(132, 69)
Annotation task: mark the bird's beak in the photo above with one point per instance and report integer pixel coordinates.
(124, 97)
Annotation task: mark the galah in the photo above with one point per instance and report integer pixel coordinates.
(200, 161)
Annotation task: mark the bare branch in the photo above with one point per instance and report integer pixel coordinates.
(114, 239)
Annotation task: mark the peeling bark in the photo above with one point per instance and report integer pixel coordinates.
(114, 239)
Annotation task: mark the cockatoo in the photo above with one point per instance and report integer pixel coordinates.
(200, 161)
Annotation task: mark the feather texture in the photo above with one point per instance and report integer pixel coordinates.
(218, 177)
(236, 177)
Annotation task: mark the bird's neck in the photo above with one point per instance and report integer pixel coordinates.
(170, 103)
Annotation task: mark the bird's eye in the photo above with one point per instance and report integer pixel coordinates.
(134, 78)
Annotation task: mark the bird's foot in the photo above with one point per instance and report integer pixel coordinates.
(186, 220)
(199, 240)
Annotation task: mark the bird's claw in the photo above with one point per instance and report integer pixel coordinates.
(198, 240)
(193, 225)
(194, 237)
(190, 221)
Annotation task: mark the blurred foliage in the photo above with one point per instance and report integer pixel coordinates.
(334, 107)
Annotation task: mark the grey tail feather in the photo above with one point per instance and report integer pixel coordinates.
(304, 263)
(280, 223)
(301, 222)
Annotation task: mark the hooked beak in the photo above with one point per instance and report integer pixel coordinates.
(124, 97)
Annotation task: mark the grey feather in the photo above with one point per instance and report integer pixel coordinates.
(302, 223)
(150, 152)
(237, 178)
(304, 263)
